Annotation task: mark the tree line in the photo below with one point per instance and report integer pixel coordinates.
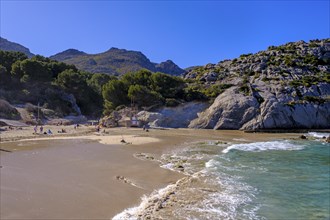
(50, 83)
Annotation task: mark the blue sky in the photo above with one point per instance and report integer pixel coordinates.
(187, 32)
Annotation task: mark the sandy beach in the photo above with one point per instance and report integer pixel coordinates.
(85, 174)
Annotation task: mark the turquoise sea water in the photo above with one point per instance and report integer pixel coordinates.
(281, 179)
(277, 180)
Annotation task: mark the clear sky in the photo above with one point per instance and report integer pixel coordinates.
(187, 32)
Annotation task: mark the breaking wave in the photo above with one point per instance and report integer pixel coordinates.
(264, 146)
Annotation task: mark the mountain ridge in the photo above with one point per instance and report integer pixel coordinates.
(7, 45)
(115, 61)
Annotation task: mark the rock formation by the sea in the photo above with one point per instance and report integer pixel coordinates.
(234, 110)
(284, 87)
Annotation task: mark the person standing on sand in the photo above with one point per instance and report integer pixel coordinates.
(35, 129)
(41, 129)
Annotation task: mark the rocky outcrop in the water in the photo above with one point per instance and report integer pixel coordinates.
(284, 87)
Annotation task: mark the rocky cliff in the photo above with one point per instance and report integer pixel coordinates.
(284, 87)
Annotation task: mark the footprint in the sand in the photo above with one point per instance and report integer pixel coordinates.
(128, 181)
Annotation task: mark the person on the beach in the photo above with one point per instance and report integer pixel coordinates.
(41, 129)
(49, 132)
(35, 129)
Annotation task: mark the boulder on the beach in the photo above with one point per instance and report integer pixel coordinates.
(269, 108)
(173, 117)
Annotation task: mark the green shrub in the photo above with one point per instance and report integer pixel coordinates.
(311, 59)
(289, 61)
(265, 79)
(170, 102)
(326, 77)
(245, 79)
(245, 55)
(306, 81)
(291, 104)
(245, 89)
(313, 44)
(313, 99)
(193, 92)
(215, 90)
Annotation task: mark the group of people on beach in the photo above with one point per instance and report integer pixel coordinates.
(41, 129)
(76, 126)
(13, 128)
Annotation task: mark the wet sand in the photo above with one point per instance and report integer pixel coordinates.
(78, 177)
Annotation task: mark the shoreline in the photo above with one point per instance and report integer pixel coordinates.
(141, 152)
(161, 202)
(23, 133)
(287, 131)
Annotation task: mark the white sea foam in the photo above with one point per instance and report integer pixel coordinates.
(211, 163)
(231, 199)
(169, 166)
(229, 196)
(318, 134)
(264, 146)
(133, 213)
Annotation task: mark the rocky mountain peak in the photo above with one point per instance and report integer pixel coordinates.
(169, 66)
(11, 46)
(67, 54)
(115, 61)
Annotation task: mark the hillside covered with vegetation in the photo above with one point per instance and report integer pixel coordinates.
(61, 89)
(285, 86)
(275, 88)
